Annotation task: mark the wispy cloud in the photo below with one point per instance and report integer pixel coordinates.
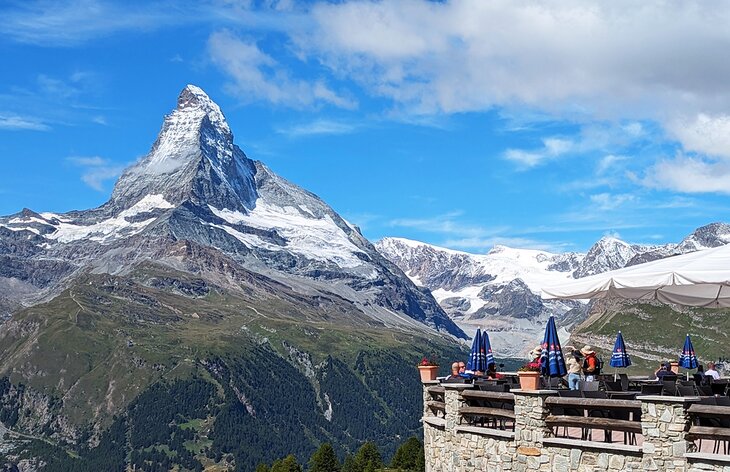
(257, 76)
(70, 22)
(96, 170)
(458, 233)
(610, 201)
(15, 122)
(318, 127)
(552, 148)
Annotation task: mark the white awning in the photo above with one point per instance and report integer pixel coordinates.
(699, 278)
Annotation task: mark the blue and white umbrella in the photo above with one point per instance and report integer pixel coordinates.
(552, 363)
(619, 357)
(688, 360)
(477, 357)
(487, 347)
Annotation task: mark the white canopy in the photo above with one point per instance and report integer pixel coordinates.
(699, 278)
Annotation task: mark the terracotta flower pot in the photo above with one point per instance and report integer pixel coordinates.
(428, 372)
(529, 380)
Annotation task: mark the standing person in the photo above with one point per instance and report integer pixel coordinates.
(590, 363)
(711, 372)
(574, 368)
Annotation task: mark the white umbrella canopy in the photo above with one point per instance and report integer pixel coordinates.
(699, 278)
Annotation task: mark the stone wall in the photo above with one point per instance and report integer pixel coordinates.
(454, 447)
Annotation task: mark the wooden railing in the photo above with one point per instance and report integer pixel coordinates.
(437, 402)
(590, 414)
(710, 422)
(488, 409)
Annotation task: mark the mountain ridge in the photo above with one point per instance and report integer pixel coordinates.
(195, 184)
(500, 290)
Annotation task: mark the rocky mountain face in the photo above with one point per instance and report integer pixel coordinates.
(209, 278)
(500, 290)
(197, 186)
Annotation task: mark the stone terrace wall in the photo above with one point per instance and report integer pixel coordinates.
(451, 447)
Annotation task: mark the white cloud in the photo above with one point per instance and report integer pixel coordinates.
(576, 57)
(689, 174)
(318, 127)
(608, 162)
(551, 149)
(608, 137)
(703, 133)
(96, 170)
(71, 22)
(257, 76)
(15, 122)
(609, 201)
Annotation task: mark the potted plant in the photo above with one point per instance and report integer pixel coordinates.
(428, 368)
(529, 375)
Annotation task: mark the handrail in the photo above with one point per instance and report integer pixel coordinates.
(482, 395)
(709, 410)
(589, 403)
(594, 423)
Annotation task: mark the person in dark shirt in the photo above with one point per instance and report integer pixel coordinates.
(665, 372)
(699, 376)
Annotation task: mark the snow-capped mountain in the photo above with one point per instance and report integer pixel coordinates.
(607, 254)
(500, 290)
(197, 193)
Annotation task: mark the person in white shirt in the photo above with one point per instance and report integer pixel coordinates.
(711, 372)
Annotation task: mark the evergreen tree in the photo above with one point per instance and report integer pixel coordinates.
(409, 456)
(368, 458)
(349, 464)
(288, 464)
(324, 459)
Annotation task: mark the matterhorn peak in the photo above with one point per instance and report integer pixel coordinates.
(194, 158)
(194, 99)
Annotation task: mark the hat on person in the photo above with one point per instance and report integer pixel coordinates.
(537, 351)
(586, 350)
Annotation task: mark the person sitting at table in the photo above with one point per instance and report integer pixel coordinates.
(665, 372)
(699, 376)
(455, 374)
(711, 372)
(492, 373)
(574, 363)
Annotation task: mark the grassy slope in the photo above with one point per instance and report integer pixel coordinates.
(75, 347)
(655, 332)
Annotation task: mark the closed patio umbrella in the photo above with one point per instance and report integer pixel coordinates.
(619, 356)
(477, 357)
(687, 359)
(487, 347)
(552, 362)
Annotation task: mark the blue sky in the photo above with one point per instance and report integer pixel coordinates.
(460, 123)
